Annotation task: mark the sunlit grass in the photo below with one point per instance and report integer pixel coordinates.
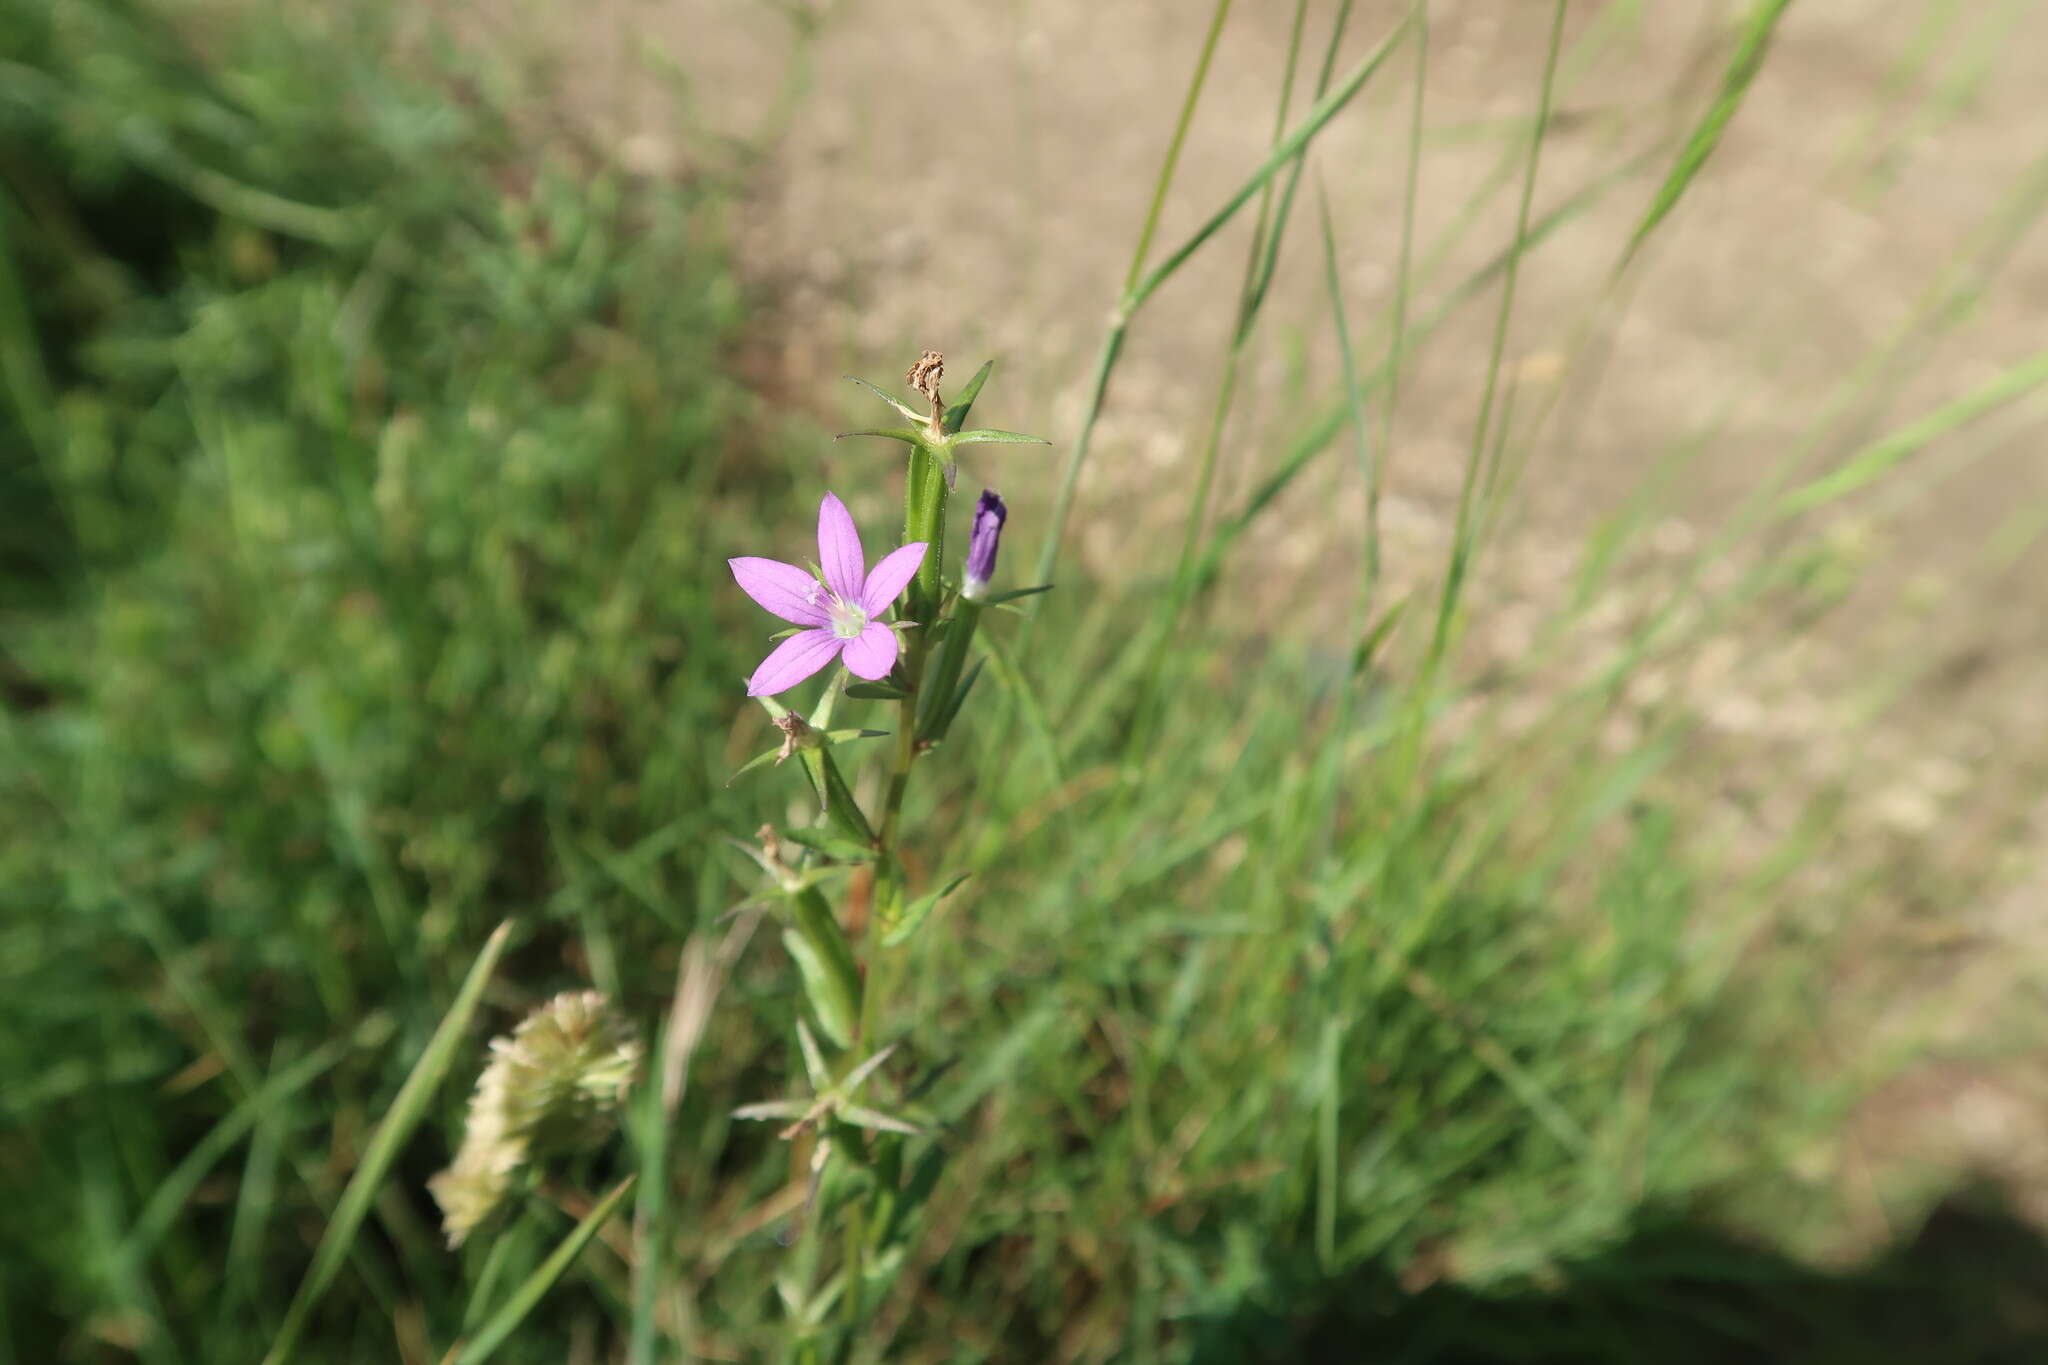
(364, 590)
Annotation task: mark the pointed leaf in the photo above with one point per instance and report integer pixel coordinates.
(767, 1110)
(832, 979)
(915, 914)
(942, 722)
(757, 761)
(871, 1118)
(842, 736)
(875, 691)
(963, 403)
(858, 1076)
(840, 807)
(1015, 593)
(891, 399)
(814, 1059)
(831, 845)
(984, 436)
(823, 988)
(903, 434)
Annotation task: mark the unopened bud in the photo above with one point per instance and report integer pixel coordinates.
(982, 541)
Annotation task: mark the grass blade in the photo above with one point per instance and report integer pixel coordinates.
(177, 1187)
(524, 1299)
(404, 1115)
(1881, 456)
(1319, 114)
(1747, 60)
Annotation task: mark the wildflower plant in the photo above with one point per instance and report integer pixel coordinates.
(917, 661)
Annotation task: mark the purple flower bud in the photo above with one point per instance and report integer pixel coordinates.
(981, 544)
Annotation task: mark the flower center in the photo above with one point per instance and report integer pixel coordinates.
(848, 620)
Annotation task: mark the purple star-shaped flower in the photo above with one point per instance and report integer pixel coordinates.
(840, 611)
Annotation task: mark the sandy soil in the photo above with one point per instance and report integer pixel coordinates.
(971, 177)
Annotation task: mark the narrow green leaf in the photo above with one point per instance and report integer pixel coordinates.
(840, 807)
(875, 691)
(942, 720)
(903, 434)
(916, 417)
(757, 761)
(831, 844)
(956, 412)
(1743, 65)
(772, 1111)
(823, 988)
(986, 436)
(919, 910)
(863, 1117)
(825, 958)
(523, 1301)
(1015, 593)
(405, 1114)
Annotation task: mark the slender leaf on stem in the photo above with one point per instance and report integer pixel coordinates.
(997, 599)
(963, 402)
(916, 417)
(919, 910)
(502, 1323)
(406, 1111)
(825, 960)
(903, 434)
(983, 436)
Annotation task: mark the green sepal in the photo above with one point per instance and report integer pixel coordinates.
(915, 914)
(957, 410)
(875, 691)
(987, 436)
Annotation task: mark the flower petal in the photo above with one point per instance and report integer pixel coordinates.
(839, 549)
(890, 577)
(872, 653)
(784, 589)
(795, 659)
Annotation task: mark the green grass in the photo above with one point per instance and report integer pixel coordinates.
(373, 470)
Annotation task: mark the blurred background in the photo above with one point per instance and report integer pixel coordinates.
(1517, 836)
